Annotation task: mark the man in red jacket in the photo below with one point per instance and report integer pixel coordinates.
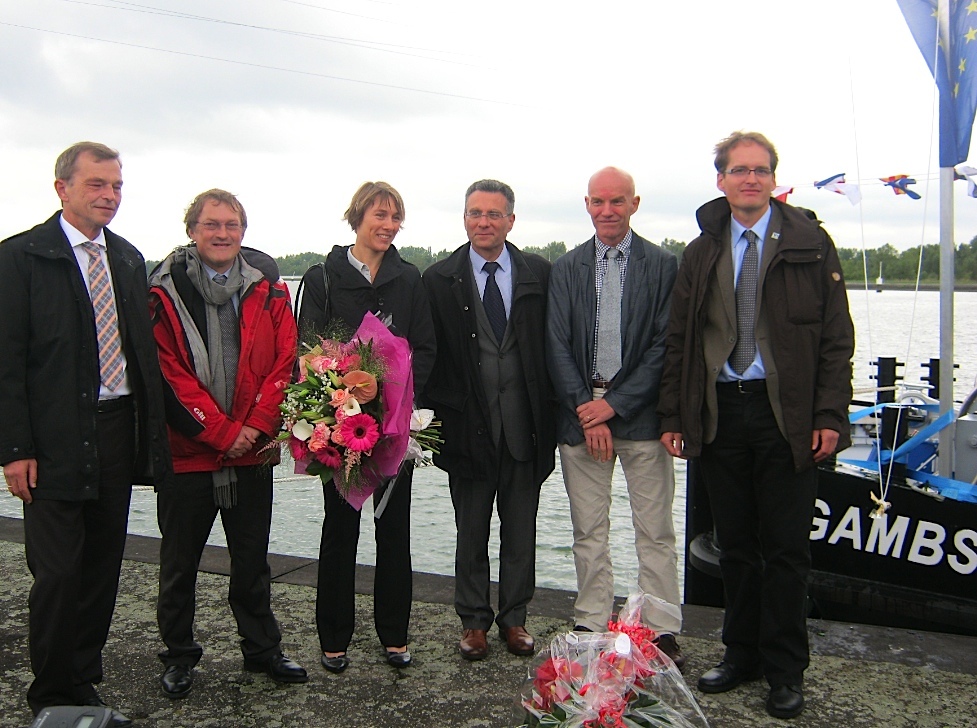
(226, 340)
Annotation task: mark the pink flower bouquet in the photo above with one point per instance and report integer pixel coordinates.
(615, 679)
(348, 417)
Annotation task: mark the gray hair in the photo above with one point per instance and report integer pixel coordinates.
(493, 185)
(64, 168)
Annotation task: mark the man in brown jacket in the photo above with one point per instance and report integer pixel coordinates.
(757, 383)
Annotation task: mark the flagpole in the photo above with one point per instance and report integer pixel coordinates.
(947, 282)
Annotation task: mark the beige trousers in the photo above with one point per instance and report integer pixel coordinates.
(649, 473)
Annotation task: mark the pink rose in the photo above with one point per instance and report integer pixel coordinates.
(339, 398)
(351, 361)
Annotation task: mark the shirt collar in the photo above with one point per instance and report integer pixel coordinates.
(76, 237)
(624, 246)
(362, 267)
(504, 260)
(736, 229)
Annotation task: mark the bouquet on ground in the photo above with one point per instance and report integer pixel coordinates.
(350, 419)
(615, 679)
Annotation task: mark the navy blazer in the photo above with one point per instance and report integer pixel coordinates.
(570, 336)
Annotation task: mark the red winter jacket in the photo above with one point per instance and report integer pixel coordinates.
(200, 431)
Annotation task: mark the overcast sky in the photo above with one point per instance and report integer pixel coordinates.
(291, 105)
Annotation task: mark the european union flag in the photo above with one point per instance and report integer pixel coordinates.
(946, 33)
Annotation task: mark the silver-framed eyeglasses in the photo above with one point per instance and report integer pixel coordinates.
(493, 215)
(212, 227)
(760, 172)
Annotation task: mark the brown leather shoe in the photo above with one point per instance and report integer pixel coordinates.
(473, 645)
(518, 640)
(667, 644)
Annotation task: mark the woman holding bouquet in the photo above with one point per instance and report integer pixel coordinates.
(368, 276)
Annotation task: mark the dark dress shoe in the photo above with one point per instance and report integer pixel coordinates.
(726, 676)
(666, 643)
(176, 681)
(518, 641)
(785, 701)
(279, 668)
(581, 628)
(335, 664)
(399, 659)
(474, 645)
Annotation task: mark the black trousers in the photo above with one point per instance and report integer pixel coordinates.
(518, 500)
(762, 510)
(393, 581)
(186, 513)
(74, 550)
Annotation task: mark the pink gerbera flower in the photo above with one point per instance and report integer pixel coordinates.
(329, 456)
(360, 432)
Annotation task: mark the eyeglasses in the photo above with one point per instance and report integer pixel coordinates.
(491, 215)
(212, 227)
(760, 172)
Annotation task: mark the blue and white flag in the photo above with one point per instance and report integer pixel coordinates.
(951, 55)
(836, 183)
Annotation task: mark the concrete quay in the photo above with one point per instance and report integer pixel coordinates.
(860, 677)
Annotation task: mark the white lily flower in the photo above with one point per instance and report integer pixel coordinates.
(351, 407)
(420, 419)
(302, 430)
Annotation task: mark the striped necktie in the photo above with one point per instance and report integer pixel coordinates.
(745, 350)
(110, 363)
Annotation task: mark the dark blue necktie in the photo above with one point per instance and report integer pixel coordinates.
(492, 300)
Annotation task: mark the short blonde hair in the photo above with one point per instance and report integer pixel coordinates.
(364, 198)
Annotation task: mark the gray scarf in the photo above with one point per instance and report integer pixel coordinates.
(209, 357)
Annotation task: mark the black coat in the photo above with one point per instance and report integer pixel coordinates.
(396, 291)
(49, 373)
(455, 391)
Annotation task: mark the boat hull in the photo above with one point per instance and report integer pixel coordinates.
(916, 568)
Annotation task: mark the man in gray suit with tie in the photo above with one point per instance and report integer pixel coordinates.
(492, 393)
(606, 323)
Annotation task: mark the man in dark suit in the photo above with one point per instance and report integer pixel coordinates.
(491, 391)
(606, 321)
(82, 403)
(757, 384)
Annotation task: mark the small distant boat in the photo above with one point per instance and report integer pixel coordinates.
(880, 281)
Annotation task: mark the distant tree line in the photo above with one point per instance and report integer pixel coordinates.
(897, 266)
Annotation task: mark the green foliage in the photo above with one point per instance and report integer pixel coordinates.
(897, 266)
(673, 246)
(422, 257)
(297, 263)
(550, 251)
